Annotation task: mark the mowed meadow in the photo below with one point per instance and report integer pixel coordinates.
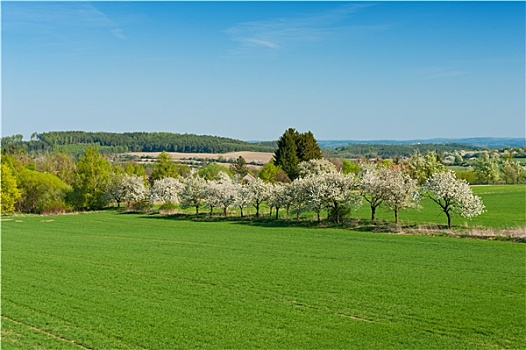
(133, 281)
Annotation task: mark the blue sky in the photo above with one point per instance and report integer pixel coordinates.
(250, 70)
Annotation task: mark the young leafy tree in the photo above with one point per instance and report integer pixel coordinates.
(423, 167)
(212, 170)
(134, 169)
(512, 171)
(453, 196)
(9, 185)
(92, 177)
(269, 173)
(239, 168)
(349, 167)
(487, 168)
(41, 192)
(58, 164)
(164, 167)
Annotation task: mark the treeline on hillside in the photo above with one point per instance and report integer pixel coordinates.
(66, 141)
(394, 151)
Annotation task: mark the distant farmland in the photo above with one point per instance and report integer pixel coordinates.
(255, 157)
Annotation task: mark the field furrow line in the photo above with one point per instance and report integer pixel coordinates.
(54, 336)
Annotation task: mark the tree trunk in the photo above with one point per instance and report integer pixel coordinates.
(337, 212)
(448, 219)
(277, 213)
(224, 211)
(318, 212)
(396, 215)
(196, 210)
(257, 209)
(373, 212)
(241, 209)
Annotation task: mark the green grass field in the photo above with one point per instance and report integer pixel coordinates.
(127, 281)
(505, 208)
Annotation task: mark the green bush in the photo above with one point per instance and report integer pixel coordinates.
(469, 176)
(54, 208)
(141, 206)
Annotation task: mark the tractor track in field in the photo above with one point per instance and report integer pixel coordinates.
(51, 335)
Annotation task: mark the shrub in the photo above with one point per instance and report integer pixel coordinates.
(54, 208)
(140, 206)
(168, 208)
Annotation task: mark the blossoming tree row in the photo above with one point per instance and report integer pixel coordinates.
(319, 187)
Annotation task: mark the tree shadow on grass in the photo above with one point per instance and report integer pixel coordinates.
(358, 225)
(353, 224)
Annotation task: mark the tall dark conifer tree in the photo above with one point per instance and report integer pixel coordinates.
(308, 147)
(294, 148)
(286, 156)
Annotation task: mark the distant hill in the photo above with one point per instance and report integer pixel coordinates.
(483, 142)
(75, 143)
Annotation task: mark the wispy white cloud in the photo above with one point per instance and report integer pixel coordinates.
(52, 15)
(277, 33)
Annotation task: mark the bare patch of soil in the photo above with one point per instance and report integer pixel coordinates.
(258, 157)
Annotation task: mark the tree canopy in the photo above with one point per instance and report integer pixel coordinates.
(293, 148)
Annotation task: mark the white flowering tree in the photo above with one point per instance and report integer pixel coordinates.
(342, 195)
(372, 187)
(299, 195)
(258, 190)
(221, 192)
(400, 191)
(315, 167)
(115, 190)
(279, 197)
(134, 188)
(453, 196)
(166, 190)
(126, 188)
(193, 193)
(311, 193)
(244, 196)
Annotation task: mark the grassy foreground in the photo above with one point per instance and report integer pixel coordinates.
(126, 281)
